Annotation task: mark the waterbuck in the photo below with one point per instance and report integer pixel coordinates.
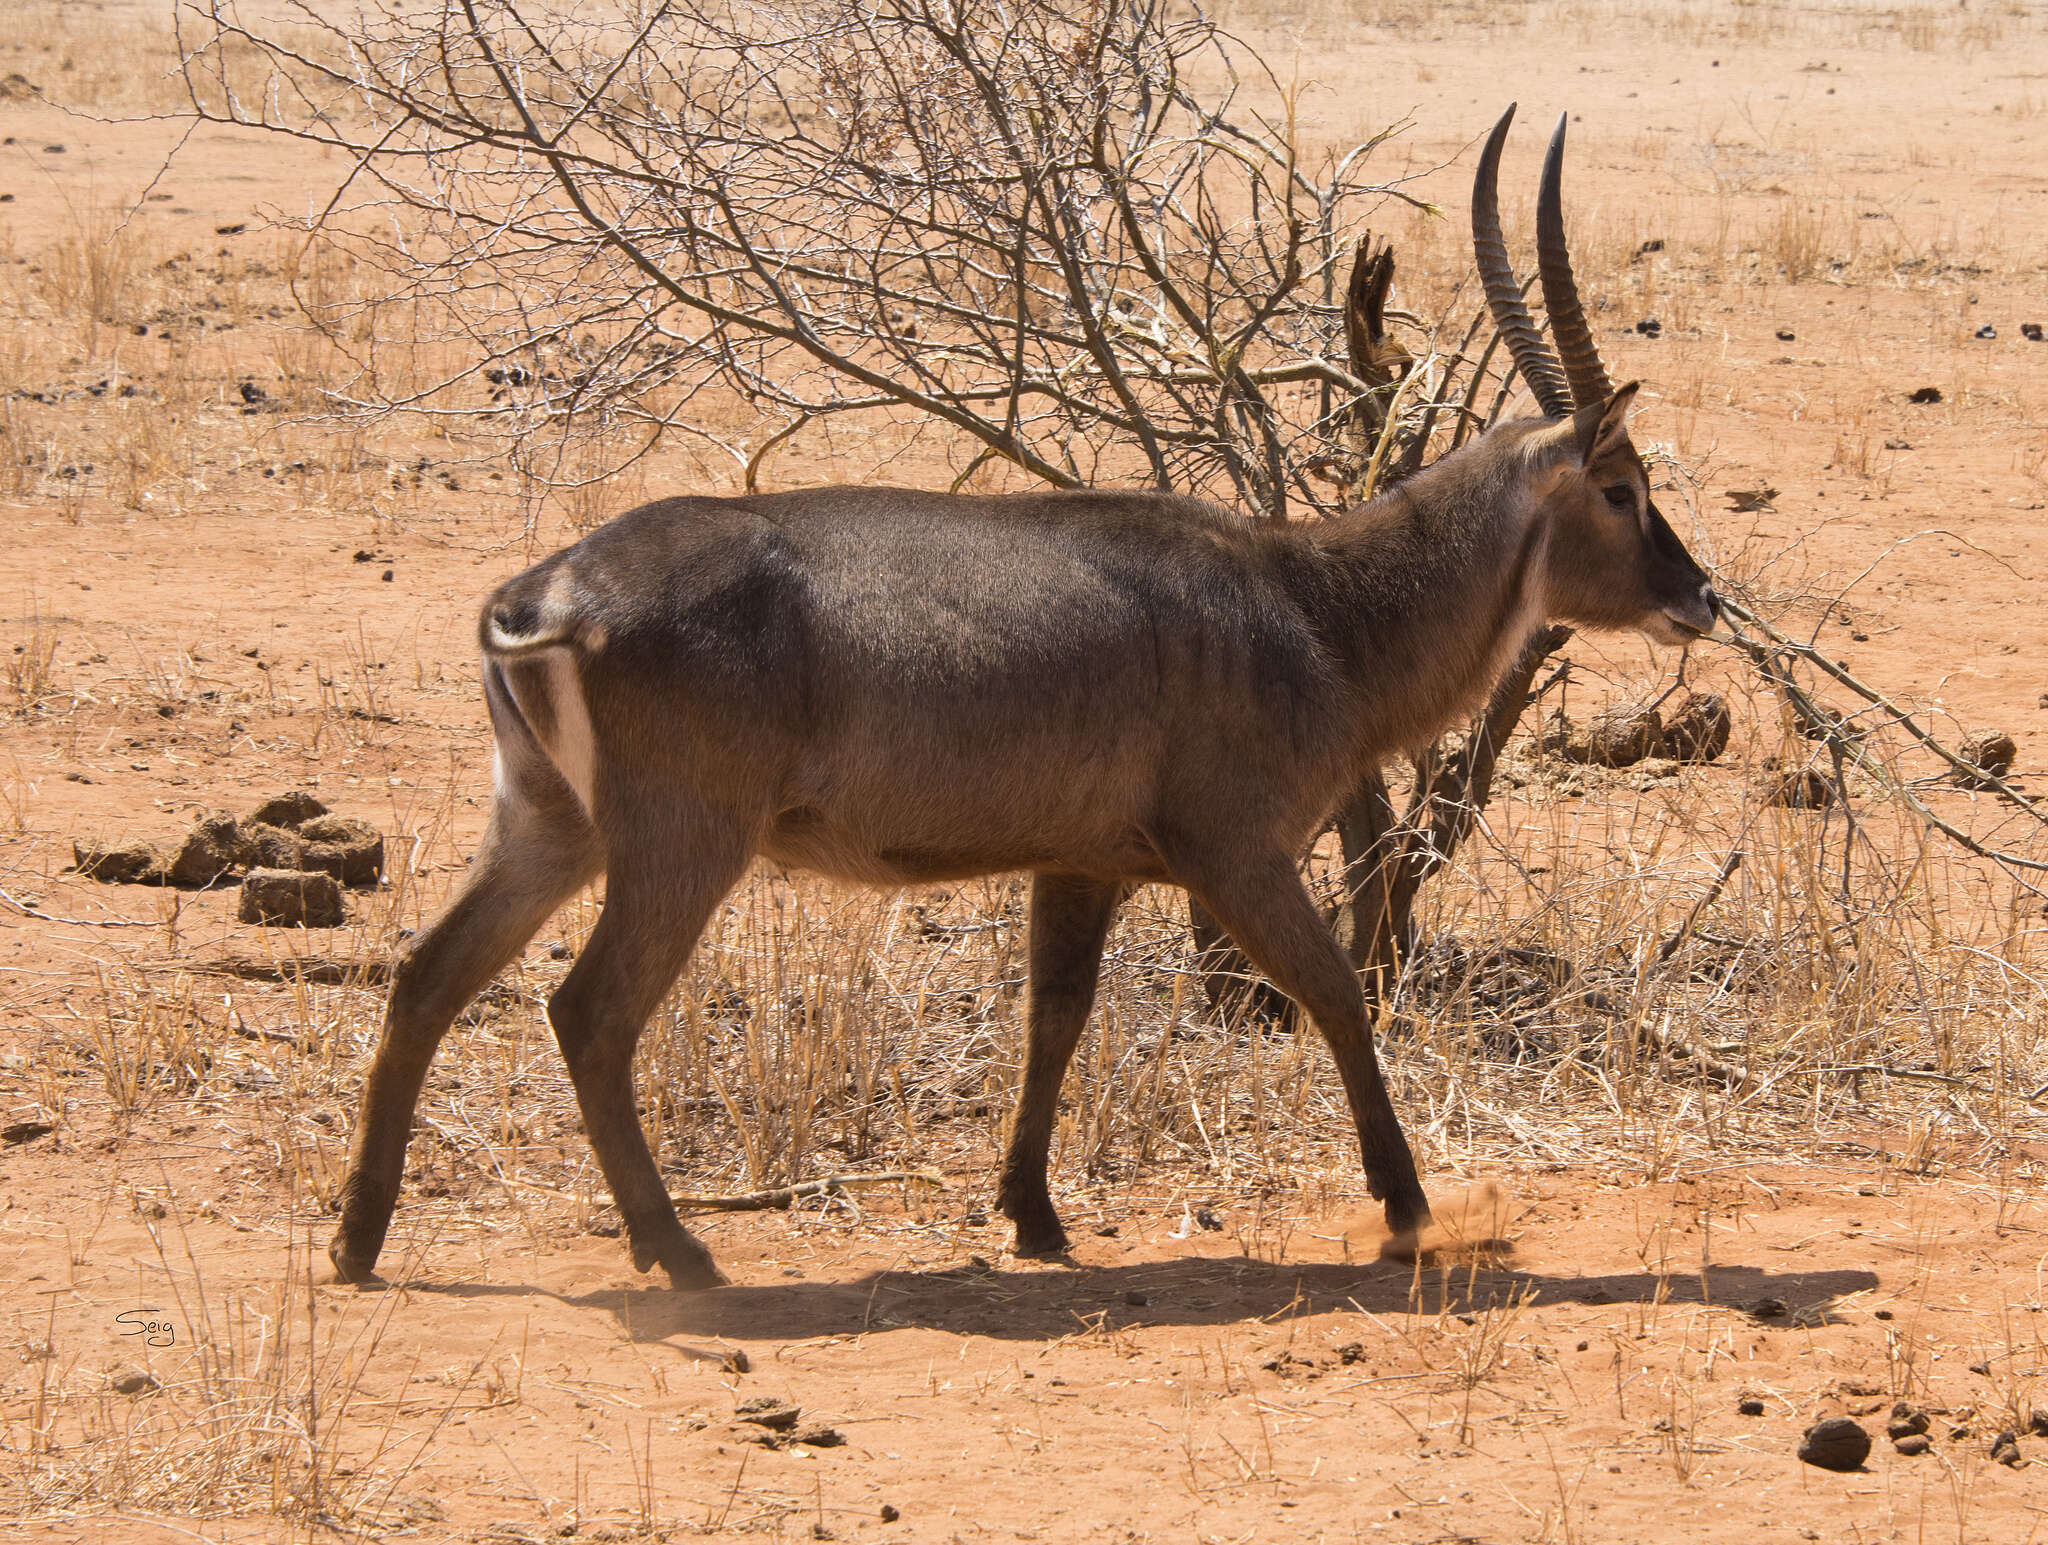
(1106, 689)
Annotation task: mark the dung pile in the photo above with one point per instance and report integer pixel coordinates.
(292, 855)
(1697, 730)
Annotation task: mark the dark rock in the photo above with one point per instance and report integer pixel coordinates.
(133, 1381)
(211, 851)
(1913, 1444)
(350, 850)
(291, 898)
(128, 863)
(767, 1411)
(290, 808)
(889, 1514)
(1698, 728)
(1838, 1443)
(1751, 1406)
(2031, 331)
(1926, 394)
(2037, 1423)
(1786, 335)
(1136, 1299)
(820, 1437)
(1992, 751)
(1987, 331)
(2005, 1448)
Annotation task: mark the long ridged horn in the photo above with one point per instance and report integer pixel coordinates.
(1582, 367)
(1531, 354)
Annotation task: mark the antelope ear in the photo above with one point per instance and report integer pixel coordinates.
(1599, 426)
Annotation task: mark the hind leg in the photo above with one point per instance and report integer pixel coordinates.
(539, 849)
(1070, 919)
(659, 894)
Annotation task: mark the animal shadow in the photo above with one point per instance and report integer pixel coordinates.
(1036, 1305)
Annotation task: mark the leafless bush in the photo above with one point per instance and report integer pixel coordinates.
(1067, 234)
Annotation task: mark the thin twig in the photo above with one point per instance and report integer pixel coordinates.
(26, 910)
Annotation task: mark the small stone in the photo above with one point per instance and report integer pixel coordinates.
(350, 850)
(128, 863)
(2005, 1448)
(1913, 1444)
(291, 898)
(767, 1411)
(291, 808)
(1136, 1299)
(133, 1381)
(1751, 1406)
(2037, 1423)
(735, 1360)
(2031, 331)
(1992, 752)
(1838, 1443)
(212, 850)
(889, 1514)
(1698, 728)
(1987, 331)
(820, 1437)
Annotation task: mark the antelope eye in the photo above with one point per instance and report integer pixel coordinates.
(1621, 495)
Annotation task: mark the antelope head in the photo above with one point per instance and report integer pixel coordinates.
(1612, 559)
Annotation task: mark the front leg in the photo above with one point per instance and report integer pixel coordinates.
(1070, 918)
(1259, 897)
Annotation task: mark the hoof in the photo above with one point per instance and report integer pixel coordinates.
(1410, 1215)
(695, 1276)
(350, 1267)
(688, 1264)
(1040, 1244)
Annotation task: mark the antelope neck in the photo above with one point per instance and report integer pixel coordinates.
(1434, 585)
